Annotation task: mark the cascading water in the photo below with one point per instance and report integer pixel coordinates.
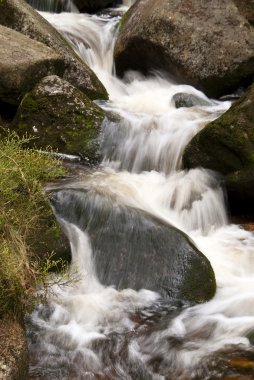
(91, 331)
(54, 5)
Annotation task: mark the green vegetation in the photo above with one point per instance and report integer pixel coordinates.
(24, 215)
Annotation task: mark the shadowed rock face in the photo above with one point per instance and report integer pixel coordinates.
(246, 8)
(227, 146)
(93, 5)
(23, 63)
(206, 44)
(18, 15)
(59, 115)
(134, 250)
(89, 6)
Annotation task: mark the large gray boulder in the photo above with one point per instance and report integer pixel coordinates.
(132, 249)
(61, 116)
(24, 62)
(19, 15)
(208, 44)
(227, 146)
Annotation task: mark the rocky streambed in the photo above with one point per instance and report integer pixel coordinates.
(132, 213)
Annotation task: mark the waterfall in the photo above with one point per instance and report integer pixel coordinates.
(54, 5)
(92, 331)
(57, 6)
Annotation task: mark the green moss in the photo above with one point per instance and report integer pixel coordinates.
(123, 20)
(31, 104)
(191, 286)
(25, 215)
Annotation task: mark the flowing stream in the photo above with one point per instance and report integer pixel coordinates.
(92, 331)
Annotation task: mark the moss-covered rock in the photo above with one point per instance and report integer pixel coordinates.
(227, 146)
(209, 45)
(18, 15)
(24, 62)
(59, 115)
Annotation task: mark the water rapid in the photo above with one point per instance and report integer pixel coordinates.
(92, 331)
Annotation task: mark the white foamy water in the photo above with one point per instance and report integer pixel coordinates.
(89, 330)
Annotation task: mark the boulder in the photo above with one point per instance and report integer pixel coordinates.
(182, 99)
(61, 116)
(24, 62)
(132, 249)
(19, 15)
(227, 146)
(209, 45)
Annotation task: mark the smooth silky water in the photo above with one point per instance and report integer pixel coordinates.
(89, 331)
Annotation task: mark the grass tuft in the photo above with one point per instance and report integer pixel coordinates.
(23, 210)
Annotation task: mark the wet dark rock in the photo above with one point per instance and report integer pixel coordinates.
(59, 115)
(23, 63)
(18, 15)
(133, 249)
(209, 45)
(228, 363)
(235, 95)
(227, 146)
(182, 99)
